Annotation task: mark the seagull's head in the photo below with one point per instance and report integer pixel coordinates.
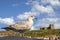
(32, 17)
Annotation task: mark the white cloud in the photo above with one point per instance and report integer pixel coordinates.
(14, 5)
(22, 17)
(41, 9)
(55, 2)
(26, 14)
(46, 21)
(36, 10)
(57, 25)
(51, 2)
(7, 21)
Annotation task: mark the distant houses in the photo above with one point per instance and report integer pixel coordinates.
(51, 26)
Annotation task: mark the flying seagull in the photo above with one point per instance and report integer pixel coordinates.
(21, 26)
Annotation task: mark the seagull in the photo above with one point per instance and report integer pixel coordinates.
(21, 26)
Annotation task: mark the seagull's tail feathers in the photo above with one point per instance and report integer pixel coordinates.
(7, 28)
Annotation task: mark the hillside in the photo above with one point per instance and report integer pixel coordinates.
(9, 33)
(34, 33)
(43, 33)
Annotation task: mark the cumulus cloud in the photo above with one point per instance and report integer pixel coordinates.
(51, 2)
(36, 10)
(46, 21)
(7, 21)
(43, 10)
(21, 17)
(26, 14)
(55, 2)
(42, 7)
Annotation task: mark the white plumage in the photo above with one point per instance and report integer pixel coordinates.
(22, 25)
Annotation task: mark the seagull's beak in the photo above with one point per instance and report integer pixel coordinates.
(35, 18)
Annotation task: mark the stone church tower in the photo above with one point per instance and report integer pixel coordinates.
(51, 26)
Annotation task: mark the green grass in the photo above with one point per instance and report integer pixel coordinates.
(39, 33)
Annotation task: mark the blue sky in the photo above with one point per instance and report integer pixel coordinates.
(12, 7)
(47, 12)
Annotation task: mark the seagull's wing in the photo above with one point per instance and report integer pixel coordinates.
(8, 28)
(19, 26)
